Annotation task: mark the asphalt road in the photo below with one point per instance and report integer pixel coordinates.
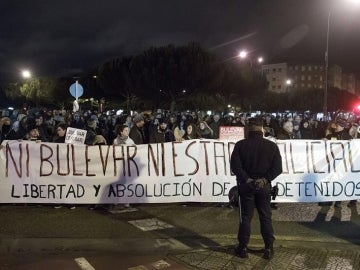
(174, 236)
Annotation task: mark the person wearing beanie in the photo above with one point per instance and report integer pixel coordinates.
(162, 133)
(5, 127)
(340, 133)
(137, 133)
(32, 131)
(256, 162)
(91, 128)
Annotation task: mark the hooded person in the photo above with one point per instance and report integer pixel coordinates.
(137, 133)
(91, 126)
(5, 127)
(341, 132)
(163, 133)
(32, 130)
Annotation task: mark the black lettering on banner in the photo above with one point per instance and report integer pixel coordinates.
(67, 159)
(334, 184)
(352, 189)
(313, 155)
(165, 193)
(27, 160)
(176, 189)
(97, 189)
(9, 153)
(157, 190)
(357, 188)
(174, 155)
(87, 160)
(219, 156)
(131, 158)
(139, 188)
(299, 187)
(74, 159)
(194, 159)
(333, 154)
(155, 160)
(13, 195)
(284, 154)
(51, 190)
(122, 158)
(292, 160)
(71, 190)
(206, 156)
(26, 190)
(220, 189)
(104, 161)
(45, 159)
(307, 184)
(284, 189)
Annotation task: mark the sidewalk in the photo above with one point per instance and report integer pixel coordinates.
(196, 236)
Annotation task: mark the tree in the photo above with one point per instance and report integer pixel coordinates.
(37, 91)
(167, 74)
(115, 79)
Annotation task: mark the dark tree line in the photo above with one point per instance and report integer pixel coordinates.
(175, 78)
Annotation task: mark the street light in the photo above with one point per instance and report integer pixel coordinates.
(288, 83)
(244, 54)
(326, 66)
(325, 109)
(26, 74)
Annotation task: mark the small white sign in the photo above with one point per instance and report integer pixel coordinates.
(75, 136)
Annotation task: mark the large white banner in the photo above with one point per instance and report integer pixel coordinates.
(195, 170)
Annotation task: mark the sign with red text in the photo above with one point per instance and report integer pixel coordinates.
(193, 170)
(231, 133)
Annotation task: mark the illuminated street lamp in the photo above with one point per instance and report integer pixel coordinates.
(325, 109)
(26, 74)
(288, 83)
(244, 54)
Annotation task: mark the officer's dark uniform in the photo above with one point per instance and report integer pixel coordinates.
(255, 160)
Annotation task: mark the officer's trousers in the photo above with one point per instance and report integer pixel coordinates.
(259, 199)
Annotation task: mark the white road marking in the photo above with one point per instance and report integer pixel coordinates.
(83, 264)
(160, 264)
(150, 224)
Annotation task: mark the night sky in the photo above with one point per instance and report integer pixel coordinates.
(62, 37)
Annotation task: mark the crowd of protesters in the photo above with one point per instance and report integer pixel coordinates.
(162, 126)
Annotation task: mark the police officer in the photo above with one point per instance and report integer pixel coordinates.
(256, 162)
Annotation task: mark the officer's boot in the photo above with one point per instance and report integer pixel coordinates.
(268, 252)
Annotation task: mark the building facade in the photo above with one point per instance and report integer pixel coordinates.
(307, 76)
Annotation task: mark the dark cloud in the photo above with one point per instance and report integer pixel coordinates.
(58, 36)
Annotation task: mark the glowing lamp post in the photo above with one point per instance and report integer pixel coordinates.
(26, 74)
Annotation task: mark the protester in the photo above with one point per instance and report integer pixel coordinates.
(204, 131)
(5, 128)
(340, 132)
(60, 138)
(215, 126)
(163, 133)
(256, 162)
(190, 132)
(137, 133)
(122, 137)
